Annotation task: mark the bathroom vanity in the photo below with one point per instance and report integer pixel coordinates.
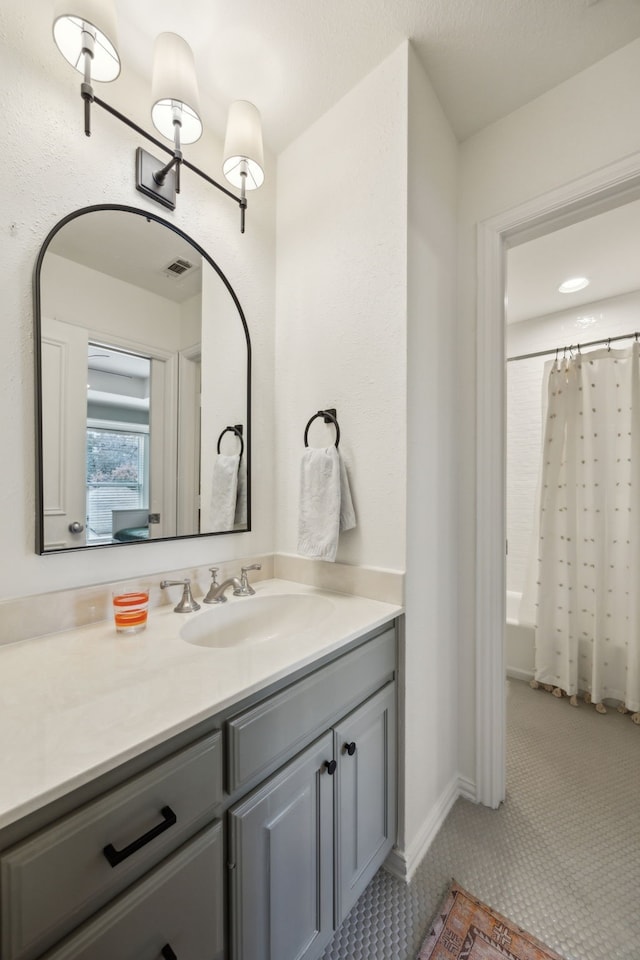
(192, 799)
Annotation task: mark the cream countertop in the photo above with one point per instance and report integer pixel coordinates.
(74, 705)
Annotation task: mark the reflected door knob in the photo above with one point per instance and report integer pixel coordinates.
(76, 527)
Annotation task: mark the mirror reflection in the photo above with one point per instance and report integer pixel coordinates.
(143, 360)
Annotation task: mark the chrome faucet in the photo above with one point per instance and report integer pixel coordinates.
(186, 604)
(216, 590)
(241, 587)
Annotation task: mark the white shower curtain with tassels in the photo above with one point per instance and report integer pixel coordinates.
(588, 563)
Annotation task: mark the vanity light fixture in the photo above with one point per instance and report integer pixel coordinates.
(85, 32)
(573, 284)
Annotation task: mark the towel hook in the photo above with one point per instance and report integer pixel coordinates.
(237, 430)
(329, 416)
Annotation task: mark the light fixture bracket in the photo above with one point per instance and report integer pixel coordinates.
(146, 166)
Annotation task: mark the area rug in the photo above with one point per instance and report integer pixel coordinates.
(467, 929)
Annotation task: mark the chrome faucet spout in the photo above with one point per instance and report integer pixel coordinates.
(217, 591)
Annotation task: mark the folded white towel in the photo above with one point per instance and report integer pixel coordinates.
(224, 487)
(326, 506)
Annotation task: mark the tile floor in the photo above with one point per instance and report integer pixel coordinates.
(561, 856)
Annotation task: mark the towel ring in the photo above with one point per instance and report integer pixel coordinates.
(328, 418)
(238, 432)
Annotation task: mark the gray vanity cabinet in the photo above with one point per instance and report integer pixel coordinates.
(117, 861)
(175, 912)
(305, 844)
(281, 869)
(248, 837)
(365, 748)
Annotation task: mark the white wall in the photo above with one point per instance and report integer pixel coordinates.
(615, 316)
(365, 322)
(431, 602)
(49, 169)
(101, 304)
(578, 127)
(341, 309)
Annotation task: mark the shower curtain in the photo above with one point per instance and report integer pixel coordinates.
(588, 550)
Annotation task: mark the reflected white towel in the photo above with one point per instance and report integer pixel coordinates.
(240, 518)
(326, 506)
(224, 488)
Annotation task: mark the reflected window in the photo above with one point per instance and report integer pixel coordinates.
(117, 479)
(118, 396)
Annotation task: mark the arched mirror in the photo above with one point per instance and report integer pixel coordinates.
(143, 367)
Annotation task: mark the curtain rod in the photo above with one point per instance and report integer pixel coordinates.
(574, 346)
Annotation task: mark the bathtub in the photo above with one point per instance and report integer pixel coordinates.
(518, 641)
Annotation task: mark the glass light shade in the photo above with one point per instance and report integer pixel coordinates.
(243, 142)
(174, 85)
(71, 18)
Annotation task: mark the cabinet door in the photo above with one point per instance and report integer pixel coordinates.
(366, 808)
(281, 869)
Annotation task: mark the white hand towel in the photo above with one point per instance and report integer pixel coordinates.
(347, 513)
(240, 518)
(326, 506)
(224, 487)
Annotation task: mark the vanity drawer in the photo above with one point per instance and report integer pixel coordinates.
(60, 876)
(262, 738)
(174, 912)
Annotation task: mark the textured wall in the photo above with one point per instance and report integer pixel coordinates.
(432, 527)
(49, 169)
(341, 309)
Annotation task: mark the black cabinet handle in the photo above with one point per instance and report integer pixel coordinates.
(168, 953)
(331, 766)
(350, 748)
(117, 856)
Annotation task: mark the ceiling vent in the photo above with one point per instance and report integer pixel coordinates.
(177, 268)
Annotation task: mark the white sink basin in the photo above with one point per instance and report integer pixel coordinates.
(241, 623)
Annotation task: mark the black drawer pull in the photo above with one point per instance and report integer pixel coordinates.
(350, 748)
(168, 953)
(117, 856)
(331, 766)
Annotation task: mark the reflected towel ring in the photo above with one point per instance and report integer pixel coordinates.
(238, 432)
(329, 417)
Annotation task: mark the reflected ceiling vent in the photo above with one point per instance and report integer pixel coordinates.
(177, 267)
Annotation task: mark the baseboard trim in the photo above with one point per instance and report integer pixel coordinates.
(517, 674)
(467, 789)
(403, 864)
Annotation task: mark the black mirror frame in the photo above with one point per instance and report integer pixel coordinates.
(37, 303)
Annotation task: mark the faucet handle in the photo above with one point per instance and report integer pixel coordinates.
(211, 596)
(186, 604)
(245, 589)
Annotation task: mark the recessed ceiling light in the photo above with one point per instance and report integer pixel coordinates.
(573, 285)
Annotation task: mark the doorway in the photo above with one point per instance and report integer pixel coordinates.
(610, 187)
(572, 313)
